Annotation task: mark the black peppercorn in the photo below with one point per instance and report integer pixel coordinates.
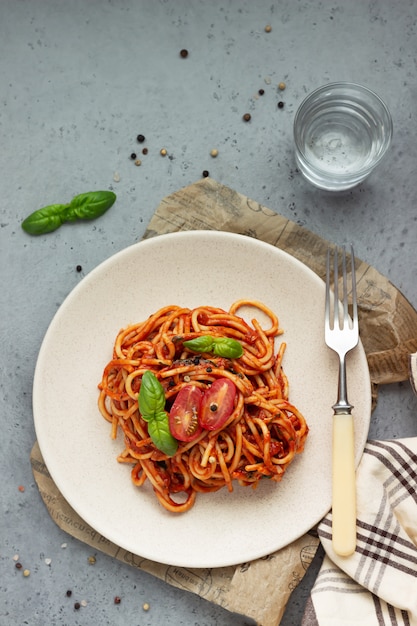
(140, 138)
(280, 104)
(247, 117)
(145, 151)
(205, 173)
(184, 53)
(79, 268)
(77, 605)
(261, 92)
(69, 593)
(133, 156)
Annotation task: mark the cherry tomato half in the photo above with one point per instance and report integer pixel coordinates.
(217, 404)
(183, 416)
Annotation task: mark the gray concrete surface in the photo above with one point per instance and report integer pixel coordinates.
(78, 81)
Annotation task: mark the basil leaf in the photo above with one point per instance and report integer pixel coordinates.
(44, 220)
(221, 346)
(85, 206)
(204, 343)
(158, 429)
(151, 396)
(228, 348)
(88, 206)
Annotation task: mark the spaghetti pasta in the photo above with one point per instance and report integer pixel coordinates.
(260, 437)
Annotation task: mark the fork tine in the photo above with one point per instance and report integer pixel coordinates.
(327, 301)
(335, 290)
(354, 296)
(345, 290)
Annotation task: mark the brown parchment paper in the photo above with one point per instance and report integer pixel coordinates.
(388, 325)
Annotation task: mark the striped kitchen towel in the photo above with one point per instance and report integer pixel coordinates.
(377, 585)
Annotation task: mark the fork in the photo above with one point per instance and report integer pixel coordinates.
(342, 335)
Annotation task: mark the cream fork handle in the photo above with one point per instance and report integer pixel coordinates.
(344, 485)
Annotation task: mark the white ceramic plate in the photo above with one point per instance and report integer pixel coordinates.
(190, 269)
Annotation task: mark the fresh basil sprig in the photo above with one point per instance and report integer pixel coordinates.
(220, 346)
(151, 402)
(85, 206)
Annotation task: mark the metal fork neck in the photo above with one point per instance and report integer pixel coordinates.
(342, 405)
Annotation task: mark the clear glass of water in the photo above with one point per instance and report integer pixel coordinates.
(341, 133)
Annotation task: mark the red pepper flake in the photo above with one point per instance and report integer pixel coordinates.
(21, 488)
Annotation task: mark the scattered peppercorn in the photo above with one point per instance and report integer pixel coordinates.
(91, 560)
(145, 151)
(146, 606)
(206, 173)
(79, 268)
(117, 600)
(140, 138)
(281, 86)
(138, 162)
(213, 407)
(209, 369)
(184, 53)
(247, 117)
(214, 153)
(280, 104)
(69, 593)
(268, 28)
(163, 152)
(261, 92)
(26, 573)
(18, 566)
(77, 606)
(133, 156)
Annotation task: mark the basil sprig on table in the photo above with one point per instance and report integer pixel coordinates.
(151, 401)
(220, 346)
(85, 206)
